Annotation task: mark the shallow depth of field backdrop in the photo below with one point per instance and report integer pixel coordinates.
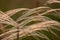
(51, 18)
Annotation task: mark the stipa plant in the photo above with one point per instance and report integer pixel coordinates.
(31, 24)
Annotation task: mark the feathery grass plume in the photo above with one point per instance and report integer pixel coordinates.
(49, 11)
(7, 19)
(36, 29)
(30, 12)
(14, 11)
(9, 32)
(33, 18)
(53, 1)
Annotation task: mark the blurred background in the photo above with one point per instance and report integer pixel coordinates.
(12, 4)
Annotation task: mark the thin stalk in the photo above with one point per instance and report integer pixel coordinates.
(36, 2)
(17, 32)
(2, 27)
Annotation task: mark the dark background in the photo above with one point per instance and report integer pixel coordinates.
(12, 4)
